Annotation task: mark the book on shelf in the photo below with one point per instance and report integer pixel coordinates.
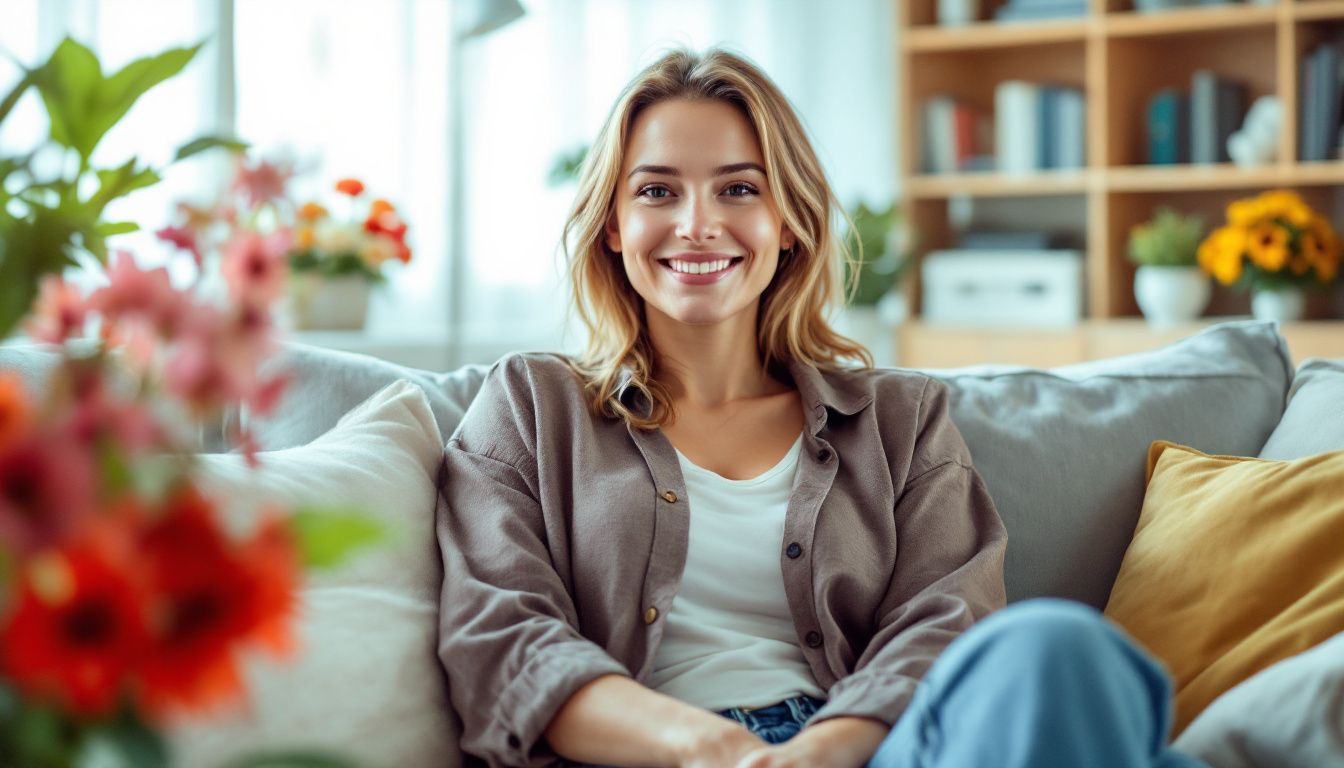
(1038, 127)
(1322, 78)
(954, 134)
(1168, 128)
(1217, 106)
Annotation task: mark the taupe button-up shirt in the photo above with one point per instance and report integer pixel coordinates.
(564, 539)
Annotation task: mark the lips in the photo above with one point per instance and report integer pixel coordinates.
(705, 278)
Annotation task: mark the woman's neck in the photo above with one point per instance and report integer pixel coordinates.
(707, 366)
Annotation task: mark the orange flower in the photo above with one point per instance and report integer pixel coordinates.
(379, 207)
(312, 211)
(304, 238)
(351, 187)
(1220, 254)
(14, 414)
(77, 627)
(211, 595)
(1268, 247)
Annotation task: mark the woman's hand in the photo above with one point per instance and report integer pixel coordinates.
(841, 742)
(722, 746)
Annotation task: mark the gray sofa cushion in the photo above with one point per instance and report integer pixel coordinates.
(325, 384)
(1314, 420)
(1063, 451)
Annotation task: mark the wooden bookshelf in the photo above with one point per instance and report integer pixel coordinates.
(1119, 57)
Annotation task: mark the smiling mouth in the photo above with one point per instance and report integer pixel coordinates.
(703, 269)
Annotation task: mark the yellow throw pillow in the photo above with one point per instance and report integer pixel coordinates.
(1235, 564)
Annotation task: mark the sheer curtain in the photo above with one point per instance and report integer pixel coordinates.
(361, 88)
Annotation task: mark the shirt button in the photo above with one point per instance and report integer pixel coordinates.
(670, 496)
(824, 455)
(794, 551)
(651, 615)
(813, 639)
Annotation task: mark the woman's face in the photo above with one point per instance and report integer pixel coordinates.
(695, 222)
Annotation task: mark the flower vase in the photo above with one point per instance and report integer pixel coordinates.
(1285, 305)
(319, 303)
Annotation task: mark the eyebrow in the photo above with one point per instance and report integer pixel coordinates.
(722, 170)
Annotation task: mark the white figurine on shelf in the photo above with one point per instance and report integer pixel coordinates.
(1257, 143)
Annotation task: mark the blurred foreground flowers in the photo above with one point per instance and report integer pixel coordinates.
(125, 599)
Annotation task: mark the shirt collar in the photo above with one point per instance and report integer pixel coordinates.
(819, 390)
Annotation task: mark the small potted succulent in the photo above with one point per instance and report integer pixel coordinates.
(1170, 285)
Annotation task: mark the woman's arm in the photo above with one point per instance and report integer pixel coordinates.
(616, 721)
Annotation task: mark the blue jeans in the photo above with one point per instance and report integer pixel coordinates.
(1041, 683)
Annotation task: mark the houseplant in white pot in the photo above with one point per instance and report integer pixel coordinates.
(1169, 285)
(1276, 246)
(338, 257)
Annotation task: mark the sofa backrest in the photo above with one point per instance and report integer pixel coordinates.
(1062, 451)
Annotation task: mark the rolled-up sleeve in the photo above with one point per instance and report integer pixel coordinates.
(947, 575)
(508, 635)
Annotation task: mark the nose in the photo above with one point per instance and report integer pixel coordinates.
(698, 220)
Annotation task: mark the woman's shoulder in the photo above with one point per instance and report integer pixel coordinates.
(888, 388)
(518, 388)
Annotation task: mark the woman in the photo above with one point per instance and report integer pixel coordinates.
(709, 543)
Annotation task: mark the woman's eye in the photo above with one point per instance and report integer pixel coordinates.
(747, 189)
(648, 192)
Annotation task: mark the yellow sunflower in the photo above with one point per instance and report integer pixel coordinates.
(1268, 247)
(1221, 253)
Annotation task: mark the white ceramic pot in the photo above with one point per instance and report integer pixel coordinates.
(958, 13)
(1171, 295)
(319, 303)
(1285, 305)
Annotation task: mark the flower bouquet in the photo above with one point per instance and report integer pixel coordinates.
(1272, 240)
(125, 596)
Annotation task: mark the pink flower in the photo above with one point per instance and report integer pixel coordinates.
(255, 266)
(133, 292)
(262, 183)
(59, 312)
(184, 238)
(46, 489)
(100, 419)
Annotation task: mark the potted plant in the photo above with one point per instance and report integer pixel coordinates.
(874, 308)
(1276, 246)
(1169, 285)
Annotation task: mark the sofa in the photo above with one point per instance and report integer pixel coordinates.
(1066, 453)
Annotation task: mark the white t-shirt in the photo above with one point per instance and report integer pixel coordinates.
(730, 640)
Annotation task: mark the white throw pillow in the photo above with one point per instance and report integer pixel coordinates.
(366, 683)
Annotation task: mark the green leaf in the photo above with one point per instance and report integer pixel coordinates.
(68, 82)
(327, 537)
(209, 142)
(292, 760)
(83, 105)
(110, 228)
(120, 181)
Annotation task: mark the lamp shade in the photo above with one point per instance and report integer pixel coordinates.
(481, 17)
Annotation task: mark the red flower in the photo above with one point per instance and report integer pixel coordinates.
(351, 187)
(77, 627)
(184, 238)
(46, 490)
(211, 595)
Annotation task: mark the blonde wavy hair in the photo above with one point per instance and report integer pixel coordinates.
(791, 325)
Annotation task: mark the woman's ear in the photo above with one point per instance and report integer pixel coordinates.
(786, 239)
(613, 234)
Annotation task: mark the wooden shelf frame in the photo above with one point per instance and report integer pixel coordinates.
(1119, 57)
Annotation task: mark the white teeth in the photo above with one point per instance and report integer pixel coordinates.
(705, 267)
